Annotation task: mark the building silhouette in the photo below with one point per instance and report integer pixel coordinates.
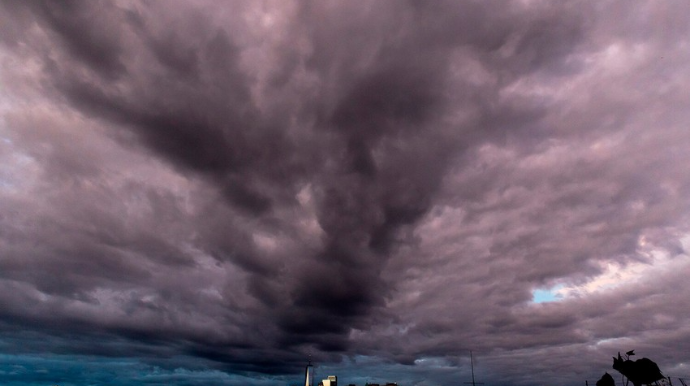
(332, 380)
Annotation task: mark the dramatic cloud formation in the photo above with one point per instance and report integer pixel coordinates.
(210, 192)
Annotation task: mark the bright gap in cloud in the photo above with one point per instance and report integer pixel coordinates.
(547, 295)
(658, 261)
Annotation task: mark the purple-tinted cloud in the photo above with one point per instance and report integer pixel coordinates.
(378, 185)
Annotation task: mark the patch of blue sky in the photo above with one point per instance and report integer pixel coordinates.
(542, 295)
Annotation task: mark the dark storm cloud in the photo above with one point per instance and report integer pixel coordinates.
(250, 184)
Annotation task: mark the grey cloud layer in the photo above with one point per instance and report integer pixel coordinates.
(254, 183)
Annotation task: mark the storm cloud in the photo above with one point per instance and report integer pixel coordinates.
(215, 192)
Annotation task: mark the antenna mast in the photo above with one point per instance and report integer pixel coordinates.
(473, 383)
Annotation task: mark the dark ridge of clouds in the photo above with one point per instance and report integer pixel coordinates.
(389, 180)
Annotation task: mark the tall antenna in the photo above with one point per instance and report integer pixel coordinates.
(473, 383)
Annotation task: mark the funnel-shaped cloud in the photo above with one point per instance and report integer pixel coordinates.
(380, 185)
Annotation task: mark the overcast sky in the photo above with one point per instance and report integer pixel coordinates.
(211, 192)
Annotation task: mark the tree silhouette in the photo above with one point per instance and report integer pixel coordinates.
(606, 380)
(640, 372)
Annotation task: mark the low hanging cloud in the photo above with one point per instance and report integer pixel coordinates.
(381, 186)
